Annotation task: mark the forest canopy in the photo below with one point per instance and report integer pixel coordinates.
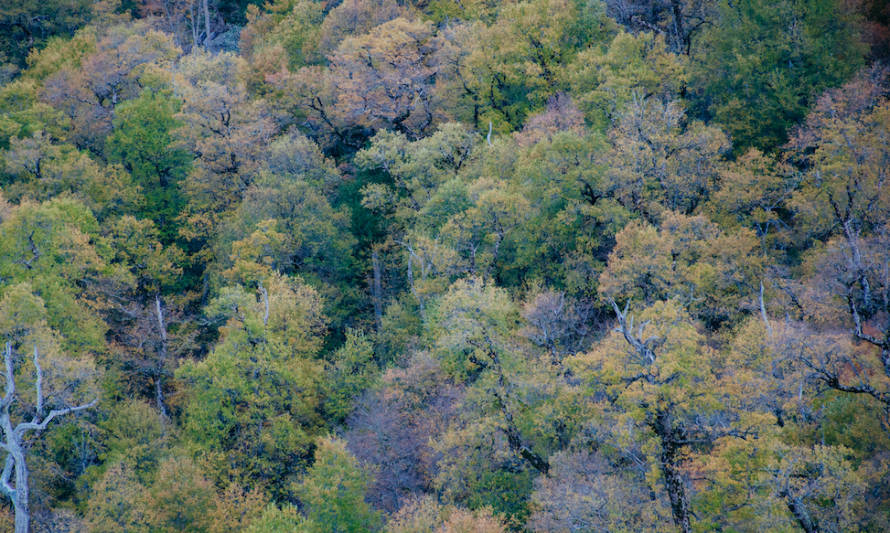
(394, 266)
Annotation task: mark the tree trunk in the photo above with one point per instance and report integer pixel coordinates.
(13, 437)
(682, 39)
(162, 328)
(856, 259)
(673, 478)
(763, 315)
(21, 500)
(206, 25)
(676, 491)
(800, 512)
(194, 25)
(377, 290)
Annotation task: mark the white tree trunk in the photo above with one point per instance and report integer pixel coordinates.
(14, 438)
(206, 25)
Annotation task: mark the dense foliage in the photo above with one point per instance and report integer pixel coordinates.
(452, 266)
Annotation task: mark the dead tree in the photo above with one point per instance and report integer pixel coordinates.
(14, 439)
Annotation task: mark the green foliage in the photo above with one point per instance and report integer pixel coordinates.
(540, 265)
(22, 114)
(38, 169)
(278, 520)
(351, 370)
(333, 492)
(757, 74)
(515, 64)
(31, 23)
(254, 403)
(632, 66)
(51, 247)
(688, 259)
(142, 142)
(135, 437)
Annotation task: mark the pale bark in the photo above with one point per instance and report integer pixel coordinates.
(207, 35)
(159, 385)
(14, 439)
(769, 328)
(194, 18)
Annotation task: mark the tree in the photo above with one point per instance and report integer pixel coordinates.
(353, 18)
(315, 237)
(678, 21)
(179, 498)
(127, 58)
(479, 232)
(658, 160)
(567, 223)
(514, 413)
(843, 198)
(561, 325)
(286, 29)
(794, 478)
(561, 115)
(393, 425)
(585, 493)
(426, 514)
(417, 169)
(254, 401)
(502, 70)
(14, 435)
(40, 170)
(662, 385)
(385, 79)
(142, 142)
(24, 114)
(225, 130)
(714, 274)
(55, 249)
(756, 74)
(147, 326)
(606, 81)
(114, 503)
(842, 146)
(28, 25)
(350, 371)
(285, 223)
(334, 491)
(836, 362)
(753, 192)
(277, 520)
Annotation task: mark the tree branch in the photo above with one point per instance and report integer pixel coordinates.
(40, 426)
(39, 383)
(10, 381)
(625, 326)
(5, 487)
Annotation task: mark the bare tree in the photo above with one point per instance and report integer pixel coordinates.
(14, 443)
(558, 323)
